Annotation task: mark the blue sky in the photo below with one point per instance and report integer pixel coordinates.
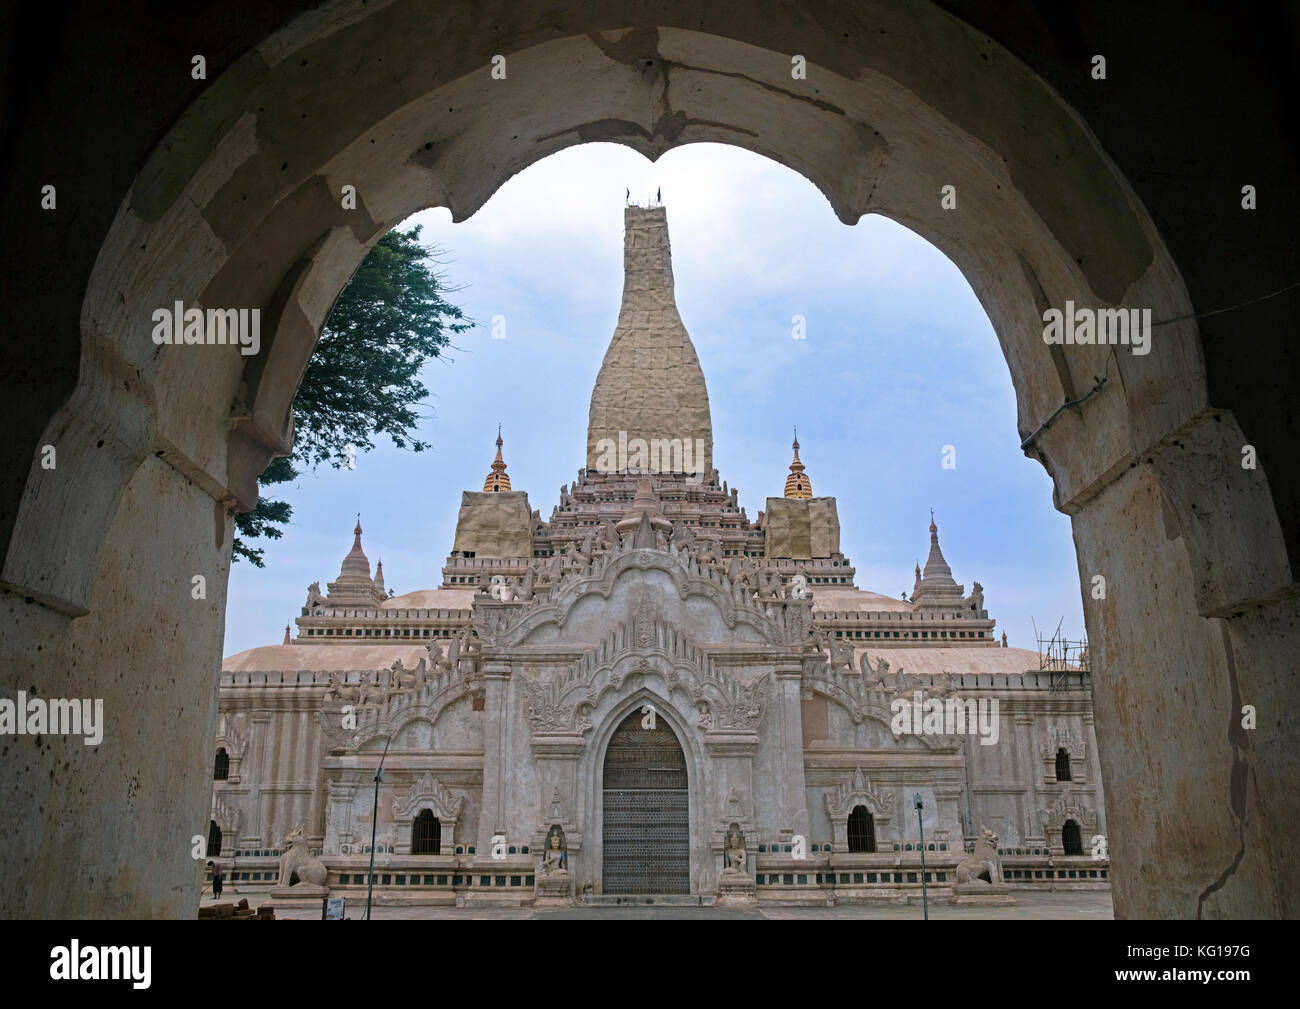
(898, 361)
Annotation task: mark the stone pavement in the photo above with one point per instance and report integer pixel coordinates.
(1089, 905)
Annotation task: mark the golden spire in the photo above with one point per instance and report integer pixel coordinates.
(498, 479)
(797, 483)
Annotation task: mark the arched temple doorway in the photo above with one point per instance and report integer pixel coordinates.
(1071, 838)
(647, 843)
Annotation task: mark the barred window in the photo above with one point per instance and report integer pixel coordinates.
(862, 830)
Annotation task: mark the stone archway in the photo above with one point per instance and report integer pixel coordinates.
(238, 205)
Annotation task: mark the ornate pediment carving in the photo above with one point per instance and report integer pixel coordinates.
(556, 583)
(544, 708)
(1069, 806)
(726, 703)
(646, 645)
(858, 791)
(734, 809)
(427, 790)
(1057, 738)
(556, 810)
(361, 705)
(556, 813)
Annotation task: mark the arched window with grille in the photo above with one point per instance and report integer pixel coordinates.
(426, 834)
(1071, 838)
(1062, 765)
(214, 839)
(221, 766)
(862, 830)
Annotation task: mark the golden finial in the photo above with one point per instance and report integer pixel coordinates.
(797, 484)
(498, 479)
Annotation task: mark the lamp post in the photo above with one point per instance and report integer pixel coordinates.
(374, 824)
(925, 900)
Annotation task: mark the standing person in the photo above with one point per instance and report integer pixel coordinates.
(217, 880)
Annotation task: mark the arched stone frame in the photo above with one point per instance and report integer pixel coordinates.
(1068, 806)
(841, 801)
(298, 301)
(174, 241)
(233, 740)
(1075, 744)
(227, 818)
(1071, 836)
(591, 772)
(426, 792)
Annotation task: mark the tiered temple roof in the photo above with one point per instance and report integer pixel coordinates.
(649, 450)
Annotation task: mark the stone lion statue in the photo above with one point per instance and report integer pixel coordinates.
(298, 865)
(369, 692)
(983, 864)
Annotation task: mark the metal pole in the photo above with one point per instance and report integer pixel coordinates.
(925, 900)
(374, 824)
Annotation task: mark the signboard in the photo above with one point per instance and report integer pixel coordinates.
(332, 908)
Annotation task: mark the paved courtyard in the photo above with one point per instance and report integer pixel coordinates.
(1090, 904)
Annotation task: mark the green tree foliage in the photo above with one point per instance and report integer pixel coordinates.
(362, 382)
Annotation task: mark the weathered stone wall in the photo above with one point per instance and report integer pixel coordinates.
(281, 780)
(122, 814)
(1003, 786)
(1210, 860)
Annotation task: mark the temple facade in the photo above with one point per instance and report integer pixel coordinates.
(650, 693)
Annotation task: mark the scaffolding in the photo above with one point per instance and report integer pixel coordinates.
(1059, 656)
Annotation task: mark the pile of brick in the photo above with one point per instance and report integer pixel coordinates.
(240, 910)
